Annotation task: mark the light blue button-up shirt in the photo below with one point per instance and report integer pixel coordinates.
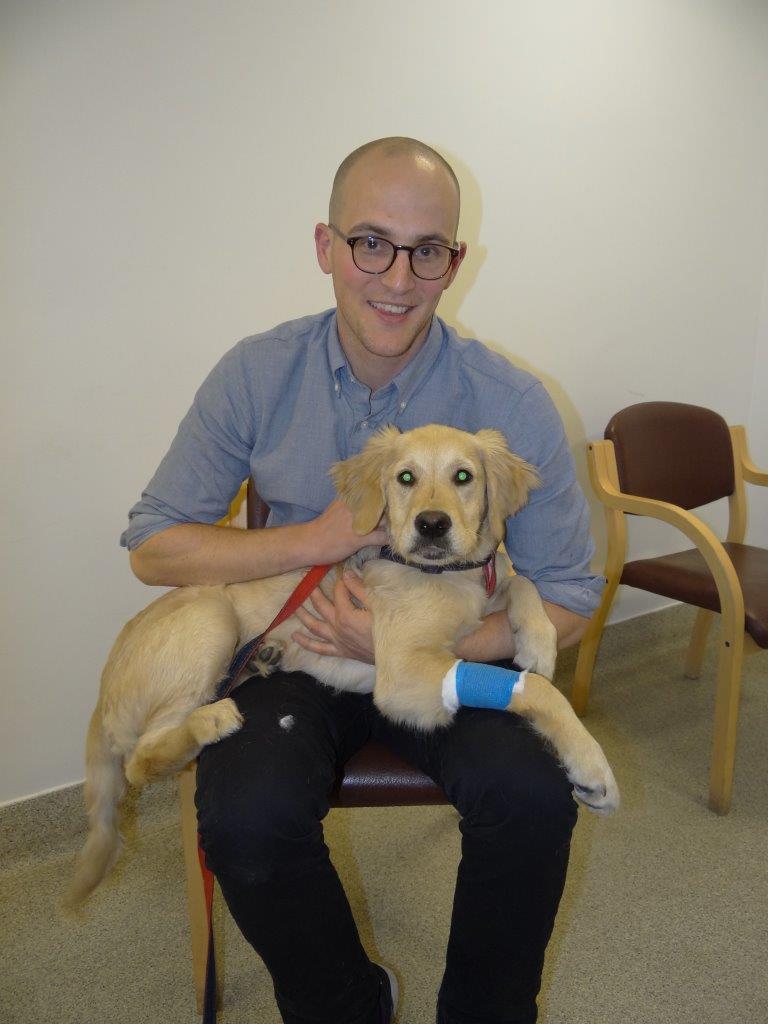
(283, 406)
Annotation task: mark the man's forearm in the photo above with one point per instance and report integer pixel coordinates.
(494, 640)
(193, 553)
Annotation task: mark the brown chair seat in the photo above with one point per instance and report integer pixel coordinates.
(685, 576)
(375, 777)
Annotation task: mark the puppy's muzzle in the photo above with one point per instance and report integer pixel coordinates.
(432, 529)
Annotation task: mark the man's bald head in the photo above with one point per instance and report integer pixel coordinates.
(394, 147)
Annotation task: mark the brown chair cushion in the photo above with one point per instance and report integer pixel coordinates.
(685, 577)
(672, 452)
(375, 777)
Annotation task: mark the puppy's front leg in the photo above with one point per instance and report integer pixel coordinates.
(409, 687)
(535, 634)
(549, 713)
(552, 716)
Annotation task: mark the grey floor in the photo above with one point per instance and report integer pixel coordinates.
(664, 918)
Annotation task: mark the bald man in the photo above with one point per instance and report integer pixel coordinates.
(282, 406)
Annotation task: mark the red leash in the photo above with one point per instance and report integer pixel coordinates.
(236, 671)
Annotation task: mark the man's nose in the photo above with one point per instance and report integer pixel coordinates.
(399, 277)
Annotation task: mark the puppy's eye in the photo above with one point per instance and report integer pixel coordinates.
(406, 477)
(463, 476)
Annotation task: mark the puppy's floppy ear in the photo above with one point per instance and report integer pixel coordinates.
(508, 479)
(359, 480)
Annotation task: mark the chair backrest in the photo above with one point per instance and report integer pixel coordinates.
(673, 452)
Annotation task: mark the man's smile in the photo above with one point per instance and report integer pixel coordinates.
(390, 310)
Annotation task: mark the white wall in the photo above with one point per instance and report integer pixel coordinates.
(164, 165)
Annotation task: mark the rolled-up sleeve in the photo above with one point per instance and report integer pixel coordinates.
(549, 540)
(207, 461)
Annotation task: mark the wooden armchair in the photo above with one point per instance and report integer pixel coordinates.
(373, 777)
(662, 459)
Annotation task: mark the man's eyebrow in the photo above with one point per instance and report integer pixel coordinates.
(366, 228)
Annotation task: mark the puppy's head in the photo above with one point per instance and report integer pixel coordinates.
(444, 494)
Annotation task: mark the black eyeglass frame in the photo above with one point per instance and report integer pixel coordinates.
(410, 249)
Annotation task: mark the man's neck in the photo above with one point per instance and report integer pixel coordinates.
(377, 372)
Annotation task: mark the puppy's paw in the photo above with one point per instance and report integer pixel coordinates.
(267, 658)
(138, 770)
(537, 648)
(593, 781)
(213, 722)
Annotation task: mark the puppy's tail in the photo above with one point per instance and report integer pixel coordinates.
(104, 789)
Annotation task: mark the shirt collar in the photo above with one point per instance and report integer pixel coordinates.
(413, 373)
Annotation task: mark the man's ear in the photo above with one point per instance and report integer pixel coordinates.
(455, 264)
(323, 240)
(509, 479)
(359, 480)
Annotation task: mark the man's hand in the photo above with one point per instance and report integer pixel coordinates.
(333, 538)
(339, 628)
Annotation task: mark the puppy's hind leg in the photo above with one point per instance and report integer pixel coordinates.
(267, 658)
(167, 749)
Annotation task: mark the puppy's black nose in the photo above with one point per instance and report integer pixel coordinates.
(433, 524)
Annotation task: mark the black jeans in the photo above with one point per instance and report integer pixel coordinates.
(261, 798)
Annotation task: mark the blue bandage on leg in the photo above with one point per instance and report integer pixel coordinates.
(480, 686)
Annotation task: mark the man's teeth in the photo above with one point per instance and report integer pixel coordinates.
(387, 308)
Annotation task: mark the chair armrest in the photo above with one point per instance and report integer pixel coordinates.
(604, 475)
(749, 470)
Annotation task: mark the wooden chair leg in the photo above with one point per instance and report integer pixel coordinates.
(698, 643)
(198, 920)
(726, 722)
(588, 648)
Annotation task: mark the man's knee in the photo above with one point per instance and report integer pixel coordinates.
(260, 829)
(504, 779)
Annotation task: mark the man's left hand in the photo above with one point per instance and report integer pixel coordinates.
(339, 627)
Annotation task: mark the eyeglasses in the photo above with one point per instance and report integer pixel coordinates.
(373, 255)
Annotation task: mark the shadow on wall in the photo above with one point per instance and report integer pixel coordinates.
(451, 303)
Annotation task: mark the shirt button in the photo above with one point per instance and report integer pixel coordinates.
(364, 423)
(403, 405)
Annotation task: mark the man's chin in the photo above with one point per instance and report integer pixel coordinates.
(395, 340)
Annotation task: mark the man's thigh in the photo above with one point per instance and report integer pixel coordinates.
(271, 780)
(484, 757)
(290, 719)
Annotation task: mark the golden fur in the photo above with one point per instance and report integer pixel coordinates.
(153, 715)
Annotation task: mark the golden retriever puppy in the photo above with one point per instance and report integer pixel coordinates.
(444, 496)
